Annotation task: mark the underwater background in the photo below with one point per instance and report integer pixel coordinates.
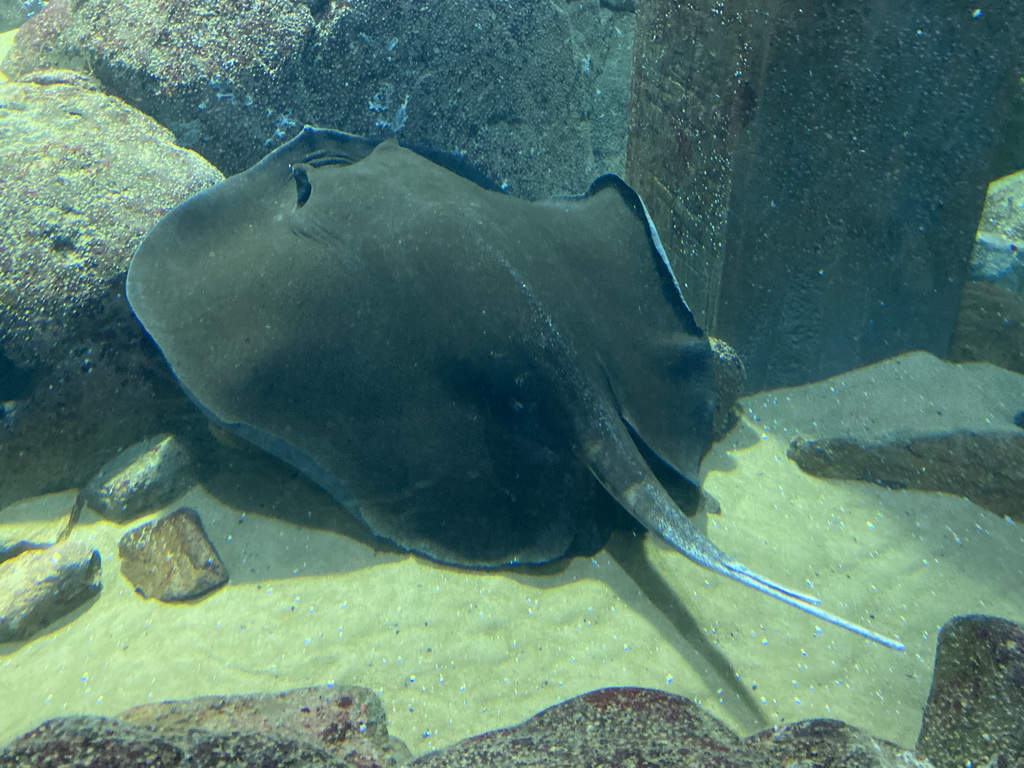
(839, 193)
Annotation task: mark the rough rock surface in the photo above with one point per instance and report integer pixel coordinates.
(96, 742)
(350, 723)
(990, 327)
(874, 425)
(640, 727)
(313, 728)
(730, 378)
(998, 255)
(171, 559)
(976, 705)
(18, 538)
(501, 83)
(85, 177)
(141, 479)
(38, 587)
(990, 323)
(985, 466)
(345, 727)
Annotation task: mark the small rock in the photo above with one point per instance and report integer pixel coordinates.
(143, 478)
(40, 586)
(976, 705)
(171, 559)
(730, 378)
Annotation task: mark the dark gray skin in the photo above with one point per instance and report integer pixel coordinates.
(463, 370)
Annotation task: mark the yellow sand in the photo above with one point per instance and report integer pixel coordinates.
(453, 653)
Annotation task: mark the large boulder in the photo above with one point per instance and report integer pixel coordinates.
(323, 727)
(637, 726)
(85, 177)
(505, 84)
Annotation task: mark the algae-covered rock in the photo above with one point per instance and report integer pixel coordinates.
(990, 323)
(990, 327)
(85, 177)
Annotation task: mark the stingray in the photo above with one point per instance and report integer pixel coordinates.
(467, 372)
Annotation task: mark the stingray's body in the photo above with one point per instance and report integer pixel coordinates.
(462, 369)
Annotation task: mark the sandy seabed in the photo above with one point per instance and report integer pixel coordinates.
(453, 653)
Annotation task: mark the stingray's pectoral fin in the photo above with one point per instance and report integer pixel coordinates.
(618, 465)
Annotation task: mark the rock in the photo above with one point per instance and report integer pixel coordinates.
(322, 727)
(990, 323)
(96, 742)
(499, 83)
(990, 327)
(986, 467)
(142, 478)
(636, 726)
(349, 723)
(171, 559)
(873, 425)
(85, 177)
(22, 537)
(604, 38)
(976, 705)
(39, 587)
(12, 14)
(730, 378)
(998, 255)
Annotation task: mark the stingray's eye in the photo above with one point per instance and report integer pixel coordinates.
(303, 188)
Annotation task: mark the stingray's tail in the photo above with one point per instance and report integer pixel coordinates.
(618, 465)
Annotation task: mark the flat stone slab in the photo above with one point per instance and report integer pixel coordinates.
(911, 422)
